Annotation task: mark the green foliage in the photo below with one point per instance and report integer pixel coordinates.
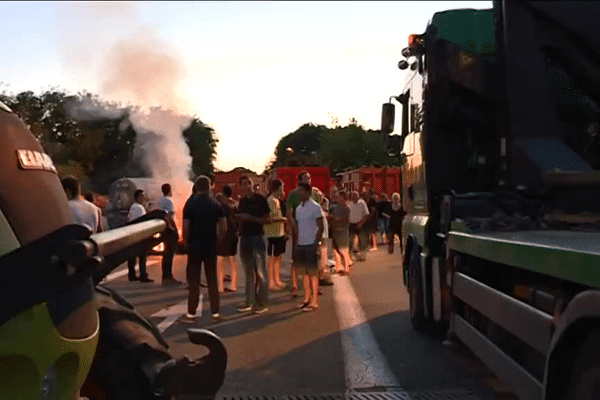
(93, 138)
(203, 147)
(299, 147)
(340, 147)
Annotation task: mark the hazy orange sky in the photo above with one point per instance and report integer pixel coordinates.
(253, 71)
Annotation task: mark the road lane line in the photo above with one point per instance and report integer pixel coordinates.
(364, 364)
(125, 271)
(173, 313)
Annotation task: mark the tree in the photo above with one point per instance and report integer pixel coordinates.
(353, 146)
(202, 142)
(303, 144)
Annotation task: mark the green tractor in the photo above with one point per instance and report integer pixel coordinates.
(62, 333)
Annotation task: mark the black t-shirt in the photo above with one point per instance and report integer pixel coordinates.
(372, 221)
(203, 212)
(385, 207)
(257, 206)
(396, 219)
(232, 227)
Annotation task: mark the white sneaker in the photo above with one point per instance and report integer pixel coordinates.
(188, 318)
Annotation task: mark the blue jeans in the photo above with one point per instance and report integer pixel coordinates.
(252, 253)
(383, 225)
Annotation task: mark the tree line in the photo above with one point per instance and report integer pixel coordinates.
(94, 140)
(339, 147)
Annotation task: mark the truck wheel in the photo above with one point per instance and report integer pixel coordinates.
(585, 378)
(415, 290)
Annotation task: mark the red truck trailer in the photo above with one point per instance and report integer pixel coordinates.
(232, 177)
(382, 180)
(320, 177)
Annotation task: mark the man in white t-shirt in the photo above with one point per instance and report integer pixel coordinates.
(137, 210)
(309, 226)
(359, 215)
(91, 198)
(84, 212)
(166, 204)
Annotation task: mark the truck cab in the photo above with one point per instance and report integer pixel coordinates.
(448, 135)
(500, 137)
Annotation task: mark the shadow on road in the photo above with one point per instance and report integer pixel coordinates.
(235, 323)
(420, 363)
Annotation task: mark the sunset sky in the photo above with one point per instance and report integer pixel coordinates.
(254, 71)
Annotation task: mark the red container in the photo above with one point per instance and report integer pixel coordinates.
(232, 177)
(382, 180)
(320, 177)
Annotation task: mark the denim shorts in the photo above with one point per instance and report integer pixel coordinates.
(306, 260)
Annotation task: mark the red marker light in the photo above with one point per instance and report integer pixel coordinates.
(413, 40)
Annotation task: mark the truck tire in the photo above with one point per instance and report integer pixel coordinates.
(585, 378)
(415, 290)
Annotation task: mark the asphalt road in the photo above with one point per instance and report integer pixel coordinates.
(359, 339)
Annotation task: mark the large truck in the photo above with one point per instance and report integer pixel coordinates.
(500, 135)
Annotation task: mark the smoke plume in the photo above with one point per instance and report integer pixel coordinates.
(140, 69)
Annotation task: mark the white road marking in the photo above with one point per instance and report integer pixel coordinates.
(122, 272)
(364, 364)
(173, 313)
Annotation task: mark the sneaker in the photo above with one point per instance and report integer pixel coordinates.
(216, 317)
(244, 307)
(260, 310)
(188, 318)
(133, 278)
(145, 279)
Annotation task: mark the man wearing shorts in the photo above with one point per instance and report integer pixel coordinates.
(309, 228)
(275, 231)
(358, 216)
(292, 202)
(339, 213)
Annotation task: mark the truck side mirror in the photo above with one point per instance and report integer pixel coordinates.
(388, 112)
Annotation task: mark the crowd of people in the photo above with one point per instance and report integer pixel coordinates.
(327, 234)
